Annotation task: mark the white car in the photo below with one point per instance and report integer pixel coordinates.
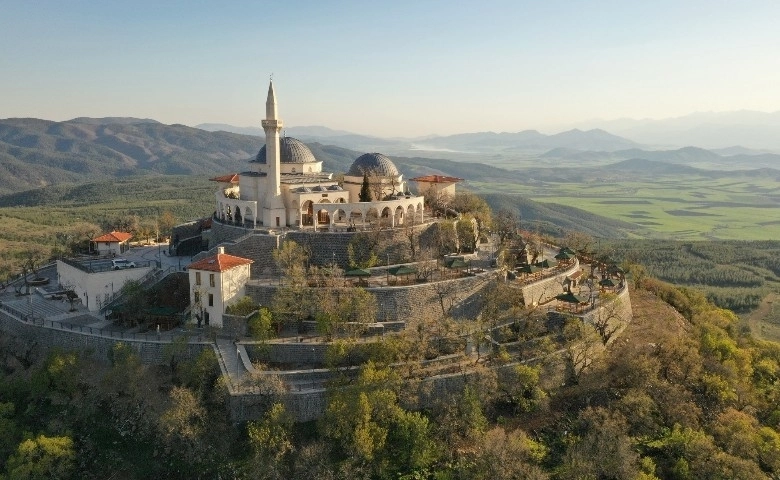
(120, 263)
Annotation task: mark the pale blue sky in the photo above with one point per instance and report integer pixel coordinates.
(391, 68)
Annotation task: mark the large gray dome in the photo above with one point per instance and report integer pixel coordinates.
(373, 164)
(291, 150)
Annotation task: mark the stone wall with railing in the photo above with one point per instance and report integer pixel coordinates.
(151, 348)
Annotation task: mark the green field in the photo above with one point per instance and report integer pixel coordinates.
(677, 207)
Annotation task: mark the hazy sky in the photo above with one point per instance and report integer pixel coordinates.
(391, 68)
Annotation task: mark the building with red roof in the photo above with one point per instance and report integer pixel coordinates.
(112, 243)
(436, 185)
(217, 282)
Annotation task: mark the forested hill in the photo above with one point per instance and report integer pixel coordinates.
(554, 219)
(36, 153)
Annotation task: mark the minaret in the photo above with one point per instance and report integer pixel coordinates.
(274, 213)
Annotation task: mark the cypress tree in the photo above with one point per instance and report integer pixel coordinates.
(365, 191)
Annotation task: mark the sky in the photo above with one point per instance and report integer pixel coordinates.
(400, 68)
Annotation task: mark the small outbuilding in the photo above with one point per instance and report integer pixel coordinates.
(112, 243)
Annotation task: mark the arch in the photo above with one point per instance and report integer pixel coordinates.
(339, 215)
(410, 211)
(307, 213)
(386, 212)
(323, 217)
(340, 200)
(325, 200)
(239, 219)
(399, 215)
(372, 214)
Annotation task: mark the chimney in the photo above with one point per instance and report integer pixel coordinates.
(220, 250)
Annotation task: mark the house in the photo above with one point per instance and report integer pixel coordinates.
(113, 243)
(435, 186)
(215, 283)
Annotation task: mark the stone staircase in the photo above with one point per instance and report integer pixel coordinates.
(230, 352)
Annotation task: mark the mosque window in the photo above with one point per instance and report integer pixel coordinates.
(197, 278)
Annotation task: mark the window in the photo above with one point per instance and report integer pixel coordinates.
(197, 278)
(211, 299)
(211, 279)
(197, 297)
(277, 221)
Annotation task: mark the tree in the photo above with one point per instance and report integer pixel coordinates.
(271, 441)
(608, 321)
(361, 250)
(291, 259)
(359, 417)
(520, 387)
(502, 455)
(165, 223)
(43, 457)
(465, 202)
(467, 231)
(582, 343)
(183, 427)
(365, 190)
(506, 225)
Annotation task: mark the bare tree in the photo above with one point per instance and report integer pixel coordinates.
(581, 345)
(608, 320)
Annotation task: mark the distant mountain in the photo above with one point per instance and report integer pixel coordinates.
(751, 129)
(690, 156)
(529, 141)
(223, 127)
(35, 152)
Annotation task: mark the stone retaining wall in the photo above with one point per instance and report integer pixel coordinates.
(325, 247)
(98, 347)
(462, 298)
(546, 288)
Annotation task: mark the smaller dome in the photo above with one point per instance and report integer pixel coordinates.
(291, 150)
(335, 188)
(318, 188)
(373, 164)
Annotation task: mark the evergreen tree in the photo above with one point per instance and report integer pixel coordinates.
(365, 191)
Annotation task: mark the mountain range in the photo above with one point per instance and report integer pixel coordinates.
(712, 130)
(36, 153)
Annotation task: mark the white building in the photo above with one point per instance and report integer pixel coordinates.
(96, 283)
(215, 283)
(112, 243)
(286, 187)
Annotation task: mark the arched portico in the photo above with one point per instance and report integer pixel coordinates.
(391, 213)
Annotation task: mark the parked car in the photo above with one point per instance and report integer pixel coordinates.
(120, 263)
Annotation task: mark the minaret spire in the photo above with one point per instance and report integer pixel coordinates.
(270, 103)
(274, 213)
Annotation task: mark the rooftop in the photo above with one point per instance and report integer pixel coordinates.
(437, 179)
(219, 263)
(229, 178)
(114, 237)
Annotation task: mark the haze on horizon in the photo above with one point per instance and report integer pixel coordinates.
(395, 69)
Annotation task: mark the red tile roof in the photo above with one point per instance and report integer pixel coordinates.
(437, 179)
(229, 178)
(114, 237)
(219, 263)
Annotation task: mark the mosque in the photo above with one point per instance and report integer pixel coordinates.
(286, 188)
